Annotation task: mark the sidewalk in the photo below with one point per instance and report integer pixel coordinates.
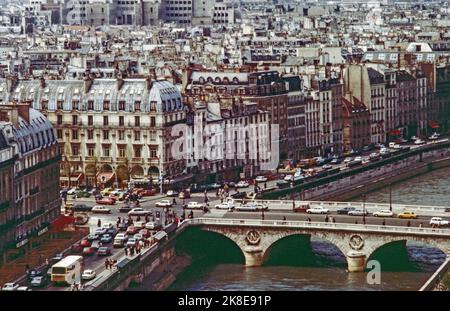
(35, 257)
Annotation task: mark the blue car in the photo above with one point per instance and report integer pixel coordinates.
(106, 238)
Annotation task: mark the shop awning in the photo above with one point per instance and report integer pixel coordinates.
(103, 178)
(434, 124)
(73, 177)
(61, 222)
(396, 132)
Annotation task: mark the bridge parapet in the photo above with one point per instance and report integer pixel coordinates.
(287, 205)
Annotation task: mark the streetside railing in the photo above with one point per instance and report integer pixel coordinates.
(435, 281)
(288, 205)
(317, 225)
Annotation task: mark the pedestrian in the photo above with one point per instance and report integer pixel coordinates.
(309, 219)
(174, 201)
(284, 218)
(334, 220)
(106, 264)
(265, 185)
(326, 218)
(421, 225)
(126, 251)
(384, 222)
(46, 262)
(99, 223)
(356, 222)
(408, 224)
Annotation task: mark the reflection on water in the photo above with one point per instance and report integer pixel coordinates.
(321, 266)
(239, 278)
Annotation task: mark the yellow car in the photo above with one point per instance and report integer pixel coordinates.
(105, 192)
(407, 215)
(68, 205)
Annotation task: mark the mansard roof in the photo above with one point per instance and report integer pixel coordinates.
(163, 96)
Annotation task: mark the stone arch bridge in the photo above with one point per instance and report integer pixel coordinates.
(356, 242)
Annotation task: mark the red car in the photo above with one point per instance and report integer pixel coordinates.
(77, 247)
(148, 193)
(85, 243)
(89, 251)
(301, 209)
(131, 230)
(145, 233)
(106, 201)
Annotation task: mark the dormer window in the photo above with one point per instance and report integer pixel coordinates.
(75, 105)
(121, 105)
(59, 104)
(106, 105)
(137, 106)
(90, 105)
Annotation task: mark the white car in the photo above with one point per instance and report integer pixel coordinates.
(384, 151)
(151, 225)
(71, 191)
(195, 205)
(172, 193)
(260, 179)
(23, 289)
(242, 184)
(251, 207)
(419, 142)
(226, 205)
(98, 209)
(139, 224)
(348, 160)
(438, 221)
(164, 203)
(383, 213)
(9, 287)
(317, 210)
(358, 212)
(434, 136)
(288, 177)
(359, 159)
(88, 275)
(137, 211)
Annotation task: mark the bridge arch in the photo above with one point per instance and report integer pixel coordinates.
(219, 246)
(294, 251)
(393, 266)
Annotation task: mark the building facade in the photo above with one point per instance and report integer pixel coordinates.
(109, 130)
(34, 202)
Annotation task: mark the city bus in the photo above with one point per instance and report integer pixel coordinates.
(67, 271)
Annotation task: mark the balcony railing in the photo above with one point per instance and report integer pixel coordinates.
(34, 190)
(106, 159)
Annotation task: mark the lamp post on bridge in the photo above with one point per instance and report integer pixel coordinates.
(390, 197)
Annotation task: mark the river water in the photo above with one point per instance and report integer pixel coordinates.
(298, 264)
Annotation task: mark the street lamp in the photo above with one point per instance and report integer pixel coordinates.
(364, 208)
(390, 197)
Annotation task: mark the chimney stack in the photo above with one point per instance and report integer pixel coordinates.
(24, 110)
(11, 83)
(42, 82)
(119, 82)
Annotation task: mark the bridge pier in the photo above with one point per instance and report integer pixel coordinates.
(356, 261)
(253, 256)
